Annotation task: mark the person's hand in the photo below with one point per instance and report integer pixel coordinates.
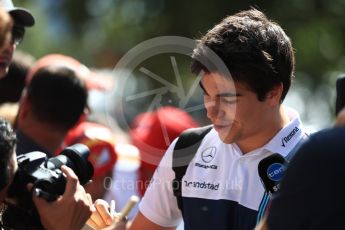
(101, 216)
(104, 217)
(69, 211)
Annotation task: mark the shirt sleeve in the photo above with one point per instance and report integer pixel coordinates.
(159, 204)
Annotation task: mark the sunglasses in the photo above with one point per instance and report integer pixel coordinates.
(17, 34)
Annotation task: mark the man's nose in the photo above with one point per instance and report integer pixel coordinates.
(213, 110)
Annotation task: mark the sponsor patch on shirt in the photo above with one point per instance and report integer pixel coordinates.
(207, 156)
(202, 185)
(286, 139)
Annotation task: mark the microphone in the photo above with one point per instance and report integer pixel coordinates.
(340, 89)
(271, 171)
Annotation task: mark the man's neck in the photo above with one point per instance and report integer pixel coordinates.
(45, 135)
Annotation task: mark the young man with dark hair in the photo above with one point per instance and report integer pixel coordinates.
(69, 211)
(52, 103)
(221, 187)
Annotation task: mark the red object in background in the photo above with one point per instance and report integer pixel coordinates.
(101, 143)
(153, 132)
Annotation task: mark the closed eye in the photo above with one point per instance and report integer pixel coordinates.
(229, 101)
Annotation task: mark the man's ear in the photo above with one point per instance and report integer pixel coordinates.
(274, 95)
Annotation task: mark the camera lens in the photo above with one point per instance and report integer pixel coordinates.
(74, 157)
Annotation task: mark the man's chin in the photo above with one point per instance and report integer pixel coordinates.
(227, 139)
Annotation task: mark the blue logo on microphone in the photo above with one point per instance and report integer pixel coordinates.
(275, 171)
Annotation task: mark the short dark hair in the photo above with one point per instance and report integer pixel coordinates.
(7, 145)
(58, 96)
(255, 50)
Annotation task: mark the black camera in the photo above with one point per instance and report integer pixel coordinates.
(47, 178)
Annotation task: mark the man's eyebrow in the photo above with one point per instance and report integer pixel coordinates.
(227, 94)
(202, 87)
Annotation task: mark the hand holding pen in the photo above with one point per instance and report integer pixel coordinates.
(104, 215)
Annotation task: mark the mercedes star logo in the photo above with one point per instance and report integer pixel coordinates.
(208, 154)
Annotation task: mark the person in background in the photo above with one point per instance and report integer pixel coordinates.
(21, 19)
(152, 133)
(74, 203)
(69, 211)
(53, 101)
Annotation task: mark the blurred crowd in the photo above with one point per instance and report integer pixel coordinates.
(47, 102)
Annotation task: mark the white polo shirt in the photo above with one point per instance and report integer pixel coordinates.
(221, 186)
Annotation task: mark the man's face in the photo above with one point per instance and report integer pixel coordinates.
(6, 57)
(234, 110)
(6, 53)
